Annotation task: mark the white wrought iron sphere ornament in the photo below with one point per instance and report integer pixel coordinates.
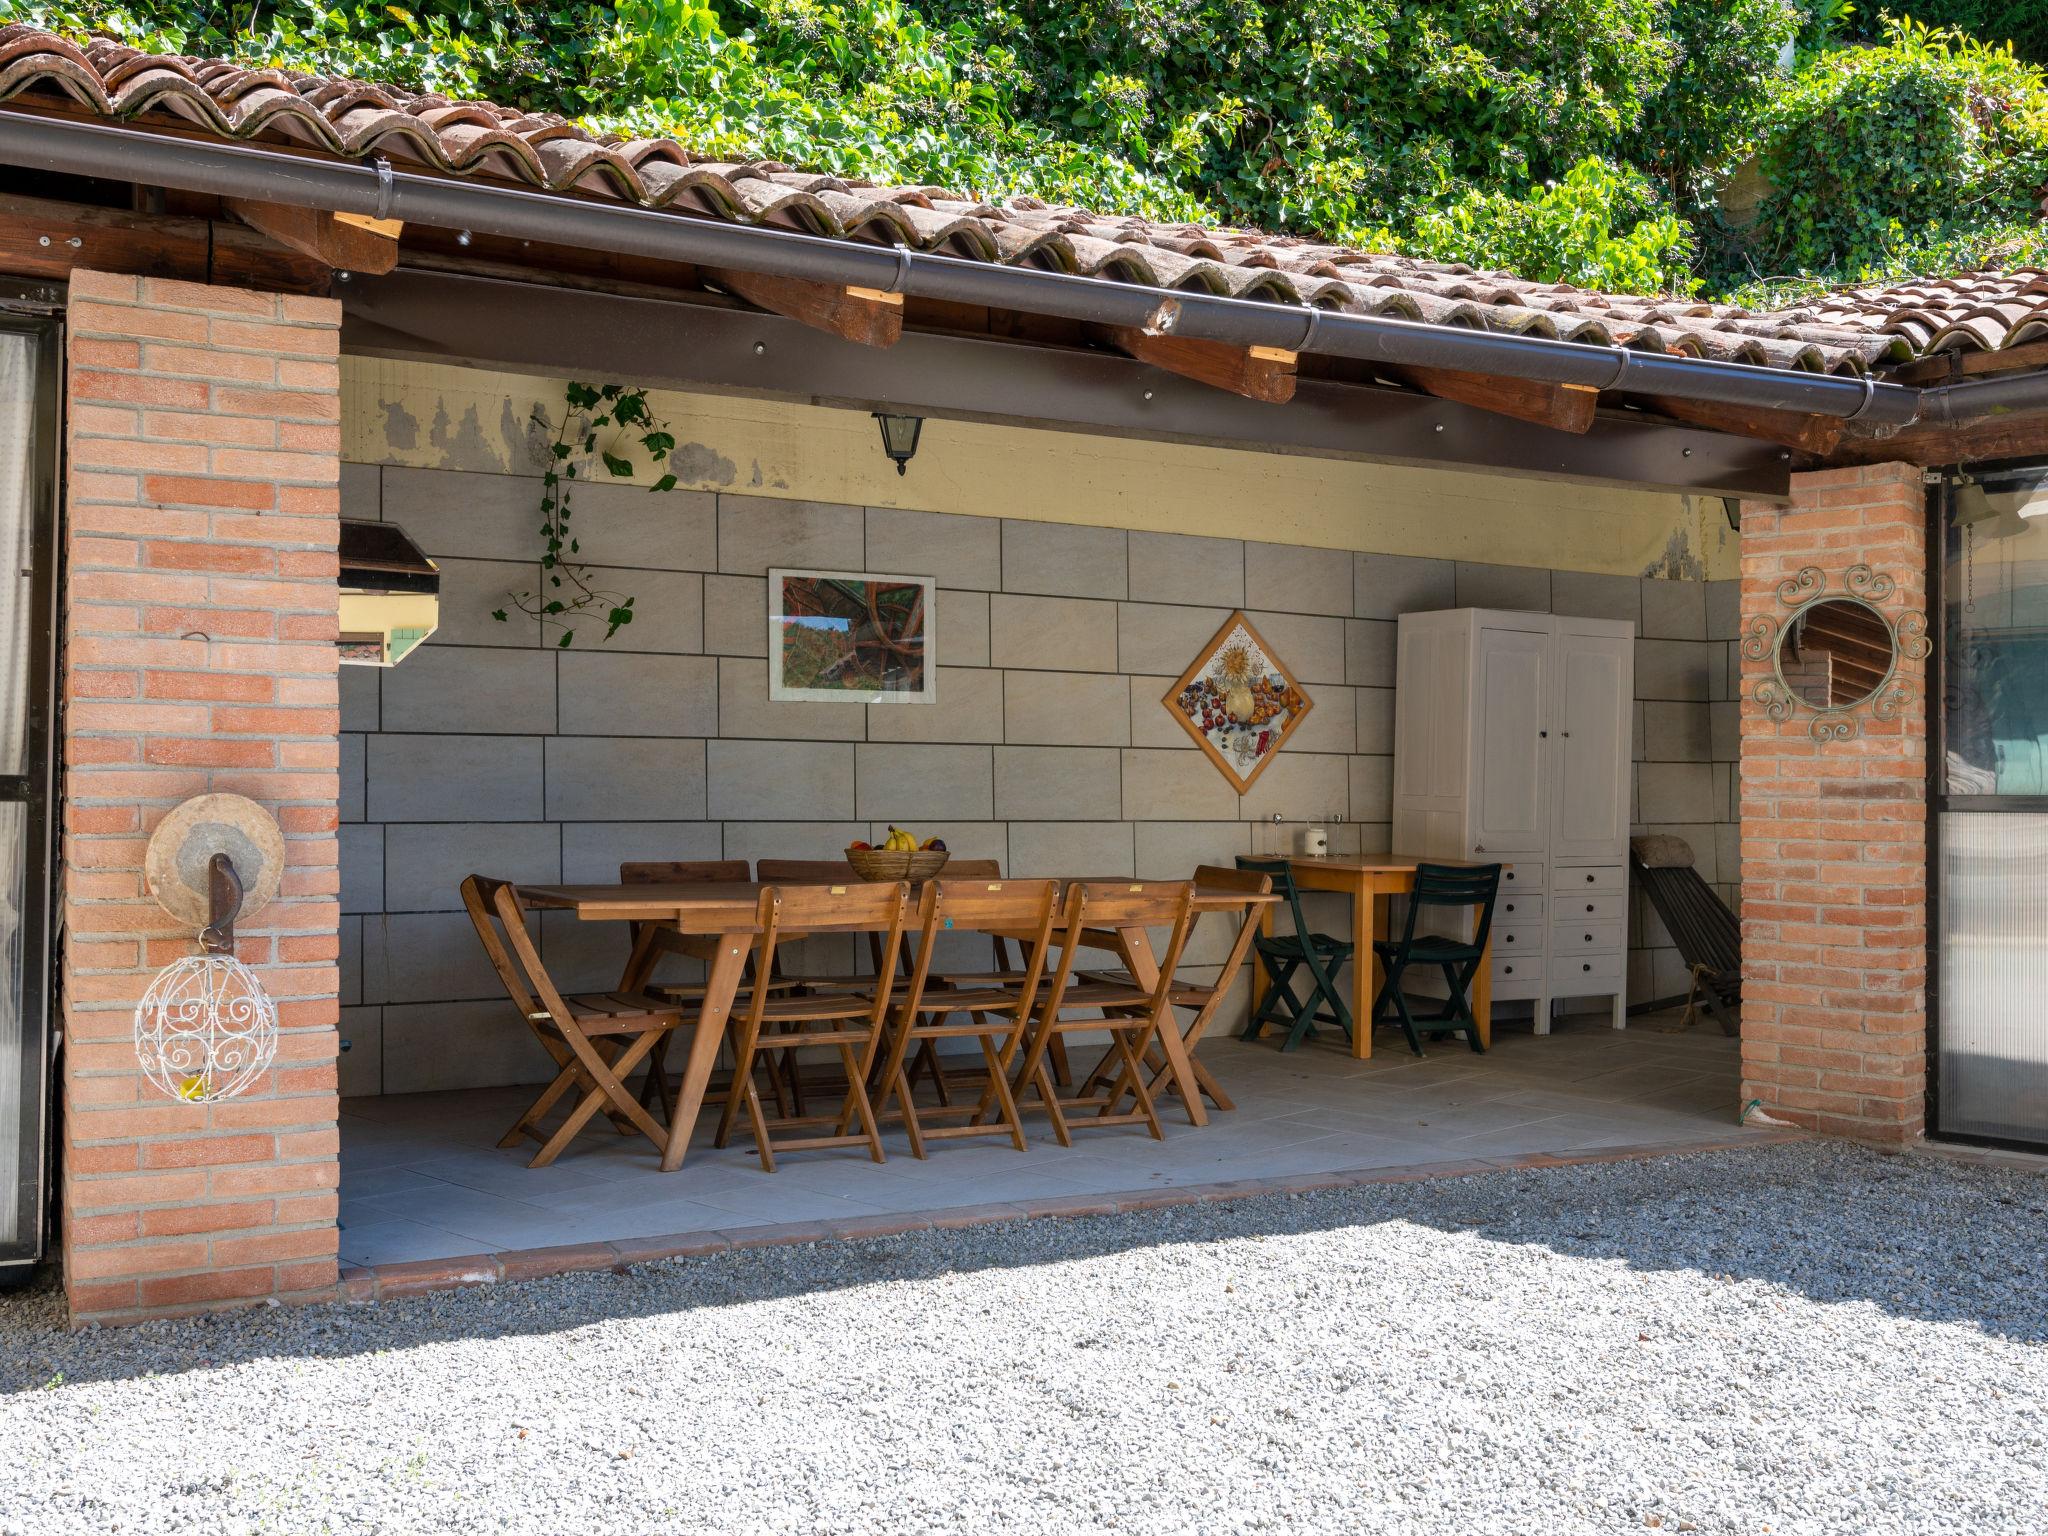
(206, 1029)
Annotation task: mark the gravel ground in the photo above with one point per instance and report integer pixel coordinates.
(1805, 1338)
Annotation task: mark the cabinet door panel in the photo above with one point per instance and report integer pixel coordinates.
(1510, 788)
(1594, 683)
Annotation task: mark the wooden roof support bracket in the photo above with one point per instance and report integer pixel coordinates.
(870, 316)
(1566, 407)
(1816, 435)
(1257, 373)
(346, 242)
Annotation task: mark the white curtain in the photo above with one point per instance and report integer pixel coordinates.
(17, 519)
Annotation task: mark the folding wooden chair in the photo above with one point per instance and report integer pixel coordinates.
(1131, 1015)
(995, 1014)
(1204, 998)
(850, 1022)
(595, 1040)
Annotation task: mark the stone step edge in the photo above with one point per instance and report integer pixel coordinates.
(377, 1282)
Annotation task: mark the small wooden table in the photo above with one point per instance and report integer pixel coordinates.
(1369, 879)
(726, 915)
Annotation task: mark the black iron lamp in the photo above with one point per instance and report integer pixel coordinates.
(899, 437)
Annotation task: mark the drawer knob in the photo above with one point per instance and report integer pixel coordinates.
(1589, 879)
(1507, 970)
(1589, 906)
(1585, 967)
(1510, 938)
(1589, 938)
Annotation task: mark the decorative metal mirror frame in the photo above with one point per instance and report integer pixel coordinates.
(1866, 588)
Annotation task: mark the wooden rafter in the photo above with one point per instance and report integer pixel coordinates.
(1257, 373)
(2015, 435)
(1817, 435)
(44, 239)
(1566, 407)
(865, 315)
(345, 242)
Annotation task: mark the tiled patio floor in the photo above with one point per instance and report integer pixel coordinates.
(422, 1178)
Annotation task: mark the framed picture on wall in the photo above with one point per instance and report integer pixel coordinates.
(1239, 702)
(851, 637)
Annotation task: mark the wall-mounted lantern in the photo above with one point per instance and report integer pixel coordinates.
(390, 594)
(899, 437)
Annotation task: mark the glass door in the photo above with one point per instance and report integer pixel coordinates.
(1990, 888)
(28, 439)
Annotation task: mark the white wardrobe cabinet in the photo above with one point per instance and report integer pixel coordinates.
(1511, 744)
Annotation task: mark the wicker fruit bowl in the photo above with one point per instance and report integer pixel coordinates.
(909, 864)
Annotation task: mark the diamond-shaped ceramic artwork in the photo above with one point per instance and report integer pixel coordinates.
(1239, 702)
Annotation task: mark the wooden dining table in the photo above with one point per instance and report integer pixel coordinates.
(724, 915)
(1371, 880)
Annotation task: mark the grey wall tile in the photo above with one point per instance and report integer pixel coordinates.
(1674, 610)
(969, 708)
(1331, 724)
(1060, 708)
(361, 854)
(1052, 634)
(649, 695)
(1184, 568)
(1162, 639)
(1064, 560)
(460, 514)
(1173, 850)
(350, 962)
(426, 865)
(1308, 645)
(1066, 848)
(1372, 789)
(771, 781)
(668, 611)
(360, 1067)
(913, 784)
(1672, 669)
(625, 778)
(1175, 786)
(1589, 595)
(1375, 708)
(1724, 609)
(1301, 787)
(746, 712)
(757, 840)
(736, 615)
(428, 957)
(1387, 586)
(1502, 586)
(1290, 578)
(474, 590)
(584, 957)
(959, 551)
(1675, 792)
(1370, 647)
(757, 534)
(1058, 784)
(362, 493)
(1153, 722)
(434, 1046)
(353, 772)
(592, 851)
(1676, 733)
(358, 687)
(621, 523)
(960, 629)
(459, 689)
(1725, 731)
(446, 778)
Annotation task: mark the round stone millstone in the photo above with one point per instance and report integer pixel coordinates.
(186, 840)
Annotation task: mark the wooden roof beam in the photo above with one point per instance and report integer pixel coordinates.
(1257, 373)
(45, 239)
(1565, 407)
(866, 315)
(346, 242)
(1817, 435)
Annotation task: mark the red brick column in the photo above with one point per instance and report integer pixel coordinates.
(1834, 867)
(199, 655)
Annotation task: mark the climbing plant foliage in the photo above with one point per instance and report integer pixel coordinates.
(1578, 139)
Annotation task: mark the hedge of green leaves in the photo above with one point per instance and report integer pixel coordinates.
(1574, 139)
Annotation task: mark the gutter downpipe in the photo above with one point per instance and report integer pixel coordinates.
(227, 169)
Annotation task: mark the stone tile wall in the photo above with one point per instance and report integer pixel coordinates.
(491, 749)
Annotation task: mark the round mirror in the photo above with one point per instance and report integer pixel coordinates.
(1835, 653)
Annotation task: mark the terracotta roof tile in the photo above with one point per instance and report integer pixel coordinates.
(1849, 330)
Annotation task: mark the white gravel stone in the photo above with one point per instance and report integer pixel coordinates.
(1804, 1339)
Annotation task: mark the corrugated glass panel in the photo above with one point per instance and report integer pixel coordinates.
(1992, 1055)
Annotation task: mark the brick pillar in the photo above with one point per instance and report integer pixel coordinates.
(1834, 866)
(199, 655)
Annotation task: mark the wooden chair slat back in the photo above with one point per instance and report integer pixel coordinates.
(682, 871)
(1022, 907)
(972, 869)
(1216, 877)
(853, 906)
(1132, 903)
(805, 872)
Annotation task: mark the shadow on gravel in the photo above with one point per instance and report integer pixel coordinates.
(1913, 1237)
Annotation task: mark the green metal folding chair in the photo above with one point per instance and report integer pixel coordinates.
(1437, 886)
(1286, 955)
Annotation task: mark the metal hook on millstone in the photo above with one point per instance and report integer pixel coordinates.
(224, 905)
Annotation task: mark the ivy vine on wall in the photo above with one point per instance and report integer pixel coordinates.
(597, 420)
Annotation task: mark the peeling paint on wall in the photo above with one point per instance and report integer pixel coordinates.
(816, 453)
